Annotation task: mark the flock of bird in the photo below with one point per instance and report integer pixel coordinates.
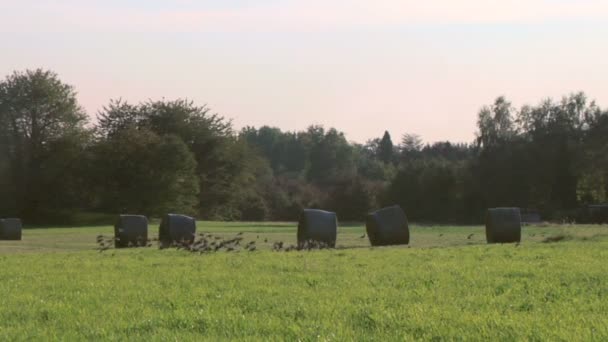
(209, 243)
(104, 243)
(307, 245)
(205, 243)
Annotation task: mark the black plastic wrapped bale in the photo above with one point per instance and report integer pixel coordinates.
(176, 229)
(131, 231)
(503, 225)
(10, 229)
(387, 227)
(317, 226)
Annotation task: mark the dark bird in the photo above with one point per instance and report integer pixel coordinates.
(252, 248)
(266, 240)
(362, 236)
(440, 235)
(470, 236)
(277, 246)
(240, 233)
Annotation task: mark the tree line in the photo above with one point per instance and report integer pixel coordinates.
(176, 156)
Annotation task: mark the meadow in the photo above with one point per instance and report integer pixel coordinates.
(448, 285)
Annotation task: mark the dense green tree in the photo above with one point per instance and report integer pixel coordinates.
(353, 198)
(386, 148)
(495, 124)
(118, 116)
(161, 156)
(222, 162)
(432, 189)
(331, 158)
(42, 131)
(139, 172)
(411, 146)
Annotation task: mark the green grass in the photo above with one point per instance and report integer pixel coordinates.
(54, 285)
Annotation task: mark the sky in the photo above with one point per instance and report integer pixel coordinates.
(406, 66)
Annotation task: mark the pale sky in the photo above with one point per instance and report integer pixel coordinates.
(361, 66)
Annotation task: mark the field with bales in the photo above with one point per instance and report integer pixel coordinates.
(448, 285)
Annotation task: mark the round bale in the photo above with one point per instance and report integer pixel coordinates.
(130, 231)
(387, 227)
(503, 225)
(317, 226)
(177, 229)
(10, 229)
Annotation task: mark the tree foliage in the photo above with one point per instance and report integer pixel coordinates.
(42, 131)
(175, 156)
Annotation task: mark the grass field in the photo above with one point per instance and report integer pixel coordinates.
(448, 285)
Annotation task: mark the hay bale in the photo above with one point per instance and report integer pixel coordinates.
(177, 229)
(503, 225)
(387, 227)
(10, 229)
(131, 231)
(317, 226)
